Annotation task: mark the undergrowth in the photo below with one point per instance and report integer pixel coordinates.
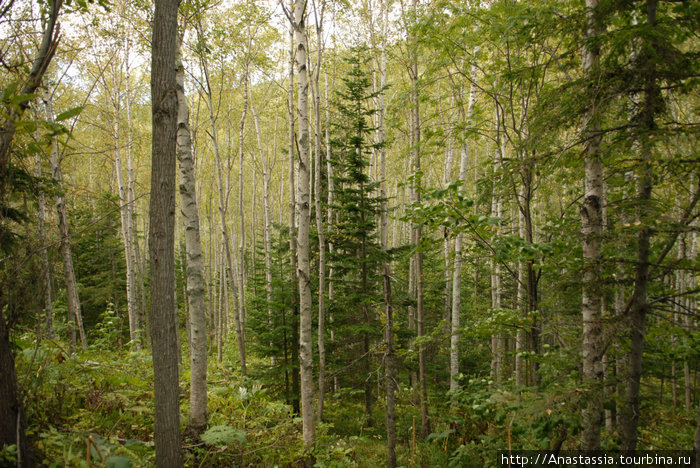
(96, 409)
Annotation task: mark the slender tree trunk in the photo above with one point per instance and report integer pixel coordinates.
(620, 358)
(364, 283)
(241, 316)
(320, 232)
(592, 229)
(303, 203)
(223, 208)
(639, 304)
(267, 223)
(690, 280)
(457, 272)
(520, 337)
(329, 215)
(607, 360)
(124, 209)
(72, 299)
(389, 357)
(448, 126)
(139, 294)
(222, 311)
(417, 233)
(161, 236)
(195, 277)
(48, 306)
(685, 282)
(293, 230)
(496, 211)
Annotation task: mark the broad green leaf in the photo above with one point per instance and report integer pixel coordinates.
(223, 435)
(118, 461)
(69, 113)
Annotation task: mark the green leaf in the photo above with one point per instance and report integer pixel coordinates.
(223, 435)
(20, 98)
(9, 91)
(440, 436)
(118, 461)
(69, 113)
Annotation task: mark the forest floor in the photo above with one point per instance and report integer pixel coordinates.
(96, 409)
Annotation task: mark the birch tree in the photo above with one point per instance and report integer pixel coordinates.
(195, 278)
(223, 198)
(459, 241)
(303, 203)
(591, 228)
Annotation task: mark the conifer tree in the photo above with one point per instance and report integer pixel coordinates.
(357, 255)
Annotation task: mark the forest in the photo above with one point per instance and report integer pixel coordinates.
(342, 233)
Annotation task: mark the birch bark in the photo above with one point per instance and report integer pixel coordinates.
(591, 229)
(303, 204)
(194, 261)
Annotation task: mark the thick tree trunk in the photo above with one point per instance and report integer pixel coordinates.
(696, 442)
(591, 230)
(303, 203)
(13, 423)
(195, 278)
(161, 236)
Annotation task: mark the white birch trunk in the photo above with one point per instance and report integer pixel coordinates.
(591, 229)
(195, 278)
(132, 230)
(303, 204)
(457, 271)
